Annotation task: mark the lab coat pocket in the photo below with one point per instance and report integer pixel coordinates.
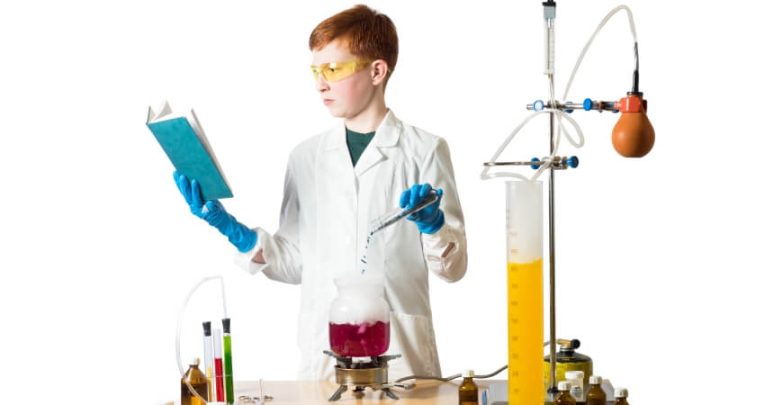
(412, 336)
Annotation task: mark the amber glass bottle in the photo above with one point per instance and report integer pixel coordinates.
(621, 396)
(468, 390)
(198, 381)
(564, 396)
(596, 395)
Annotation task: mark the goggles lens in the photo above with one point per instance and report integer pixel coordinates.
(336, 71)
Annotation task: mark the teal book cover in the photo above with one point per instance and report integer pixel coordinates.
(183, 141)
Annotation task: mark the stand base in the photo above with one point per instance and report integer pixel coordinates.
(372, 373)
(496, 394)
(358, 391)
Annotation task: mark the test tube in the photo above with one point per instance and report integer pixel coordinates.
(209, 364)
(228, 373)
(219, 394)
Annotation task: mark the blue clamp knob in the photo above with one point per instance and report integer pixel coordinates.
(535, 163)
(572, 162)
(587, 104)
(538, 105)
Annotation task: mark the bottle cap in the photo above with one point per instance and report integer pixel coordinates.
(620, 392)
(595, 379)
(468, 373)
(226, 325)
(564, 386)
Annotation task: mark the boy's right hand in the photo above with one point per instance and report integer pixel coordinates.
(214, 214)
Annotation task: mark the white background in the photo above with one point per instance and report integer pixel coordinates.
(659, 258)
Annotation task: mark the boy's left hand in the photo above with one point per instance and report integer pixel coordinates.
(431, 218)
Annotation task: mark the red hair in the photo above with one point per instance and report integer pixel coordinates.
(368, 33)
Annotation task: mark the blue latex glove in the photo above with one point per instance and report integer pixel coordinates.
(213, 212)
(431, 218)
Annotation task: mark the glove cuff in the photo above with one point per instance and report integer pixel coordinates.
(433, 226)
(248, 241)
(242, 237)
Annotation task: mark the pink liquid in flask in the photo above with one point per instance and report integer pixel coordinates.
(364, 340)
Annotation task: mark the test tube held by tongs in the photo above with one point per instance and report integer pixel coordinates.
(394, 216)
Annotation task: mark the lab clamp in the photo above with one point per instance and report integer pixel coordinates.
(632, 136)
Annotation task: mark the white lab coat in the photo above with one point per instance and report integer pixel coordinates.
(326, 211)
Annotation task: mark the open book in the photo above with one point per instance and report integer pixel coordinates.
(184, 142)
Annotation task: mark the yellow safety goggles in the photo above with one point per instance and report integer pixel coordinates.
(336, 71)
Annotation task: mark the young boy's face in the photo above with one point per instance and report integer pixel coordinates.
(347, 97)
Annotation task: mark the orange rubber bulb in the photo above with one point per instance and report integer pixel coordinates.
(633, 134)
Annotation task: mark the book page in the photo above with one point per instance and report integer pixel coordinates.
(164, 112)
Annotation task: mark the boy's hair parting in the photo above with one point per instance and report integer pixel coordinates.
(369, 34)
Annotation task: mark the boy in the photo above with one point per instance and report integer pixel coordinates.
(330, 198)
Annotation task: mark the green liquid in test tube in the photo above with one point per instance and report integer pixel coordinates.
(228, 374)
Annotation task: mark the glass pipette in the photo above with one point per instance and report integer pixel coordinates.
(394, 216)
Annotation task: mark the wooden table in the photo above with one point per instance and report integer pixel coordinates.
(317, 392)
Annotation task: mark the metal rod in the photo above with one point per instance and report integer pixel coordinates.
(553, 104)
(565, 106)
(553, 345)
(489, 164)
(558, 163)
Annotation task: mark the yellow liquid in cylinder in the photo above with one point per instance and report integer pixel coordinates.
(525, 340)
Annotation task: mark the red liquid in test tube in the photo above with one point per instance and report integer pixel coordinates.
(219, 389)
(219, 396)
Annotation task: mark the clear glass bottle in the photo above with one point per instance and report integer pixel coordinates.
(468, 392)
(359, 319)
(198, 381)
(621, 396)
(564, 396)
(576, 378)
(596, 395)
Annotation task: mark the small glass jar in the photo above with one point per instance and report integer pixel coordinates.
(576, 378)
(359, 319)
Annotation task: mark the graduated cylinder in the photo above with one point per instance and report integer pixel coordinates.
(524, 293)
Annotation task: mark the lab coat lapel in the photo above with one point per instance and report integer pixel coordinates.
(369, 158)
(336, 219)
(386, 136)
(337, 160)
